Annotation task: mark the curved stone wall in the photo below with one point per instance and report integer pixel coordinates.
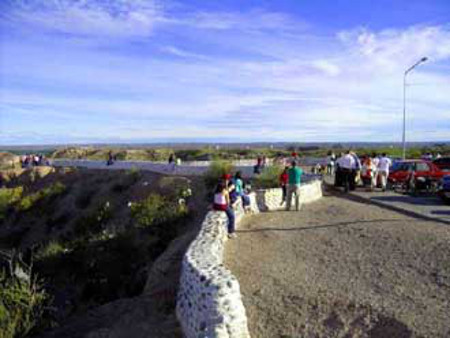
(270, 199)
(209, 300)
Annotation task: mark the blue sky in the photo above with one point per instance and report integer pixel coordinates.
(135, 70)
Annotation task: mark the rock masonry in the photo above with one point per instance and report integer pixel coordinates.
(209, 300)
(270, 199)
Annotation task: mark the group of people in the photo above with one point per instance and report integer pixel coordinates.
(349, 169)
(33, 160)
(429, 156)
(230, 189)
(227, 193)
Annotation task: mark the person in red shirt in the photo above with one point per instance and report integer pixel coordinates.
(284, 177)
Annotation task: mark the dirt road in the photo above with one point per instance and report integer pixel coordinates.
(340, 268)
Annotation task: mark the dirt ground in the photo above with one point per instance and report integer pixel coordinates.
(339, 268)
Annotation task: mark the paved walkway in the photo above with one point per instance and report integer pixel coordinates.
(429, 207)
(188, 169)
(342, 268)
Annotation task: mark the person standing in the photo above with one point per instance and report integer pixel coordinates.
(356, 171)
(375, 162)
(383, 170)
(284, 178)
(258, 166)
(110, 158)
(347, 164)
(331, 158)
(171, 162)
(294, 180)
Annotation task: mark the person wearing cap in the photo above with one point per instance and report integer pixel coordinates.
(294, 179)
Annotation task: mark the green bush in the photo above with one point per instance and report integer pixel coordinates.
(51, 249)
(215, 172)
(84, 198)
(94, 222)
(21, 305)
(134, 174)
(269, 177)
(48, 194)
(8, 197)
(131, 177)
(156, 210)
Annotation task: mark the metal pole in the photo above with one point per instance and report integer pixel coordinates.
(404, 116)
(404, 102)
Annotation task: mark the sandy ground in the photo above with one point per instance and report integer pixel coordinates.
(340, 268)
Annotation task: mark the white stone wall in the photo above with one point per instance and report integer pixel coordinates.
(209, 300)
(270, 199)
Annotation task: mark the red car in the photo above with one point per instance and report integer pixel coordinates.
(401, 171)
(443, 163)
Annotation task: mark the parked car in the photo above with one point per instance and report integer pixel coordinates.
(444, 189)
(423, 171)
(443, 163)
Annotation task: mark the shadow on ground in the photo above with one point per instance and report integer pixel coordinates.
(324, 226)
(409, 199)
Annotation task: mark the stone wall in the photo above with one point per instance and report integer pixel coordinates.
(209, 301)
(270, 199)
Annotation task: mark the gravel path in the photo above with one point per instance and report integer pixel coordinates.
(340, 268)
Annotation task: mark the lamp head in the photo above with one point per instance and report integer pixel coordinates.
(423, 59)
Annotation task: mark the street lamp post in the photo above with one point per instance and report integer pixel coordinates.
(404, 101)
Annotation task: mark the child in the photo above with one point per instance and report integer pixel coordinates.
(239, 187)
(283, 183)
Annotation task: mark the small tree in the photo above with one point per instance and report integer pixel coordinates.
(216, 171)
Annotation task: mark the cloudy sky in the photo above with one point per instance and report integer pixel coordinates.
(150, 70)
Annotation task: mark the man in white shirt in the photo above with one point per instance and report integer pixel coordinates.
(383, 170)
(375, 162)
(347, 163)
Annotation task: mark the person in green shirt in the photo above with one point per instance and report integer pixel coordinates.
(295, 174)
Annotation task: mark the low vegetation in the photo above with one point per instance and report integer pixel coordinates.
(90, 246)
(157, 210)
(92, 223)
(22, 304)
(47, 194)
(9, 197)
(217, 169)
(269, 178)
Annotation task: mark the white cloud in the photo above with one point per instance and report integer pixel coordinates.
(327, 67)
(182, 53)
(90, 18)
(394, 49)
(244, 21)
(234, 73)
